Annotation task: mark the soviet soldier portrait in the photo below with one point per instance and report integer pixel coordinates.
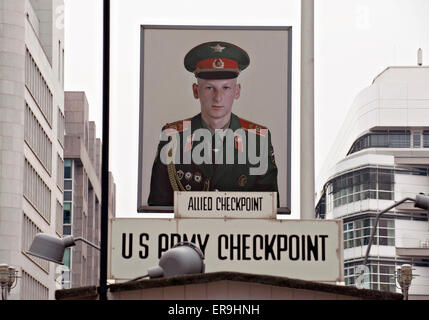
(214, 150)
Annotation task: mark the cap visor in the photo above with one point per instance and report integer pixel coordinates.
(217, 75)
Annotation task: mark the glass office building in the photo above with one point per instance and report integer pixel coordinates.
(380, 157)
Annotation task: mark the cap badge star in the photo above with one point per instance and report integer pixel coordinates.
(218, 48)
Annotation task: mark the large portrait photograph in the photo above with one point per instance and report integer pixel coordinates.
(215, 112)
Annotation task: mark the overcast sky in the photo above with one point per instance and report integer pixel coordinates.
(355, 40)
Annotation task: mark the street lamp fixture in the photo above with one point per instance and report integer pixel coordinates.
(404, 278)
(183, 258)
(422, 201)
(52, 248)
(8, 276)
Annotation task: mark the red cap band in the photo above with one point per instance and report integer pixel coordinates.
(217, 64)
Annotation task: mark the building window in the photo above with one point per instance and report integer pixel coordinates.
(37, 139)
(382, 139)
(60, 126)
(67, 213)
(358, 232)
(38, 87)
(66, 273)
(384, 185)
(37, 192)
(67, 195)
(32, 289)
(381, 275)
(417, 135)
(59, 218)
(67, 184)
(399, 139)
(60, 172)
(426, 139)
(321, 207)
(68, 164)
(67, 230)
(67, 258)
(29, 231)
(68, 192)
(369, 183)
(378, 140)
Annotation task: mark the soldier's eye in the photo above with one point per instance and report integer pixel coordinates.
(226, 88)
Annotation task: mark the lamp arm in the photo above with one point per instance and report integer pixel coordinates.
(87, 242)
(374, 229)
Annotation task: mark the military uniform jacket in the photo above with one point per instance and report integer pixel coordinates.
(212, 175)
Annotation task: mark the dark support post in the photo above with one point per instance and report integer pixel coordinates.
(105, 153)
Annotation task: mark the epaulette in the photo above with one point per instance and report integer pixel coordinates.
(253, 127)
(178, 126)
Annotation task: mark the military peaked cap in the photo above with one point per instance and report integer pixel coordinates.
(216, 60)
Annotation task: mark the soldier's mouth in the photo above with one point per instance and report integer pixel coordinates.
(217, 107)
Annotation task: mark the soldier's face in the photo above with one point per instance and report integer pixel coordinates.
(216, 97)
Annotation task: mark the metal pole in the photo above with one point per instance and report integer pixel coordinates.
(307, 110)
(87, 242)
(374, 229)
(105, 153)
(405, 293)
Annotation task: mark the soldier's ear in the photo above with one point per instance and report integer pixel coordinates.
(195, 90)
(237, 91)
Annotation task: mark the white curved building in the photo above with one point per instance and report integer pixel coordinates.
(381, 155)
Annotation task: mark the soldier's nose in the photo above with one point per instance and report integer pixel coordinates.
(217, 96)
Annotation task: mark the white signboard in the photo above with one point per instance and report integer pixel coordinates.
(300, 249)
(225, 204)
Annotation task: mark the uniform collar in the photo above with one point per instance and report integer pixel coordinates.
(206, 126)
(235, 122)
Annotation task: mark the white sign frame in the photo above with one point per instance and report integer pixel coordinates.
(263, 43)
(261, 248)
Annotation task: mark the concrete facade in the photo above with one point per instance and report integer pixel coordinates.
(31, 98)
(384, 141)
(83, 155)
